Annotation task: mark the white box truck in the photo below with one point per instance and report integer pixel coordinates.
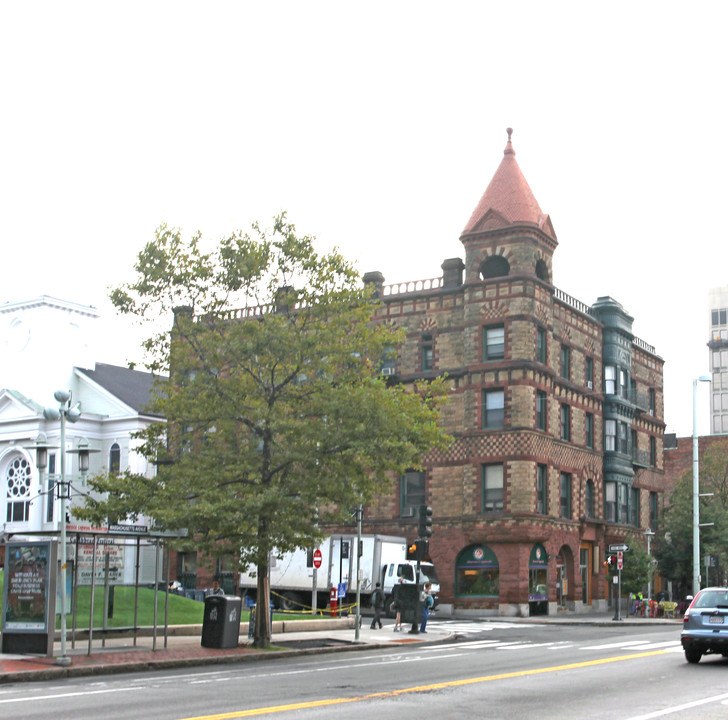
(383, 559)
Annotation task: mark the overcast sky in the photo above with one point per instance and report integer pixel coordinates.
(377, 126)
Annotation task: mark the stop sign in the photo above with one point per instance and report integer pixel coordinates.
(317, 559)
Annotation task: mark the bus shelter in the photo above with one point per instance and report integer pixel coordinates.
(98, 558)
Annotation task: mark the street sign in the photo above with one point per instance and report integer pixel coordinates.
(317, 558)
(618, 548)
(620, 562)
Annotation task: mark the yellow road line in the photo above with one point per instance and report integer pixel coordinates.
(420, 688)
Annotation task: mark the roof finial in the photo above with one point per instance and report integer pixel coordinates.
(509, 146)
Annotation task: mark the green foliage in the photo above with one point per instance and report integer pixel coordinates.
(276, 411)
(674, 542)
(637, 566)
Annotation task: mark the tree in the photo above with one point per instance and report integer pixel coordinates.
(278, 417)
(674, 543)
(637, 566)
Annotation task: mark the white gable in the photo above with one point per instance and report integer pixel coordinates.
(14, 407)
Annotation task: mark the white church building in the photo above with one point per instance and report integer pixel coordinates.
(47, 345)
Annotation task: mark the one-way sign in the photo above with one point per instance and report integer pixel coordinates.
(618, 548)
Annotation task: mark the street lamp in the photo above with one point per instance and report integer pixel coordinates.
(64, 412)
(649, 533)
(696, 488)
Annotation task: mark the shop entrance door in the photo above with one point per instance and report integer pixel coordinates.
(561, 582)
(586, 571)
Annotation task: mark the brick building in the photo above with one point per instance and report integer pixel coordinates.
(556, 411)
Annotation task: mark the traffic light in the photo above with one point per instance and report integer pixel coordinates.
(425, 525)
(611, 562)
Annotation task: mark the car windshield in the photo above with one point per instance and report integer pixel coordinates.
(712, 598)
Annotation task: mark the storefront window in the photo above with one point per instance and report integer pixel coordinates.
(477, 573)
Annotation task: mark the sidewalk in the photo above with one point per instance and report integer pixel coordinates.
(184, 649)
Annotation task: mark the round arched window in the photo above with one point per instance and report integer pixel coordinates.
(542, 271)
(18, 477)
(494, 266)
(114, 458)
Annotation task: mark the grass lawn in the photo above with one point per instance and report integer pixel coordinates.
(181, 610)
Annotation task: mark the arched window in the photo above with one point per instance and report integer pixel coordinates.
(494, 266)
(542, 271)
(18, 478)
(114, 458)
(477, 573)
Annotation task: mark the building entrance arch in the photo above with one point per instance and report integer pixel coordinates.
(564, 576)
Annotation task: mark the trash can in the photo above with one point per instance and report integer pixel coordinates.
(221, 621)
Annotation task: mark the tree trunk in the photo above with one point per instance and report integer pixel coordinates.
(261, 629)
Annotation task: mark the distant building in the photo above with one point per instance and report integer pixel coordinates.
(718, 345)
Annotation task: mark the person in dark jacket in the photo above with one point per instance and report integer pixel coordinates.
(378, 605)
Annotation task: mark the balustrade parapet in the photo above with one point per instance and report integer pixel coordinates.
(412, 286)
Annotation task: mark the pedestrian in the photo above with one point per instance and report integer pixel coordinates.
(216, 589)
(397, 605)
(427, 602)
(378, 605)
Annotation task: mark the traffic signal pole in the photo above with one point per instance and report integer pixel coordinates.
(618, 611)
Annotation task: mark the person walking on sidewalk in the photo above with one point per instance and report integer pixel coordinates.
(378, 605)
(397, 605)
(427, 602)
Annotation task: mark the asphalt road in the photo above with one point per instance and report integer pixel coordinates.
(492, 670)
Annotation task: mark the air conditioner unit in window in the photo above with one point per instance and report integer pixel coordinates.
(590, 384)
(407, 512)
(387, 371)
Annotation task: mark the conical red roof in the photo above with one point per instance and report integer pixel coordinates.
(508, 200)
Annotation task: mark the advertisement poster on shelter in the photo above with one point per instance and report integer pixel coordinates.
(27, 583)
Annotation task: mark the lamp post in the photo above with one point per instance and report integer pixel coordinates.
(359, 513)
(64, 412)
(649, 534)
(696, 488)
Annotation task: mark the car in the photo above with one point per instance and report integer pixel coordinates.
(705, 624)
